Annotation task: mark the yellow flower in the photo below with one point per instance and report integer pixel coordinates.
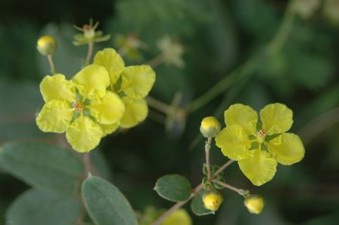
(254, 204)
(212, 200)
(179, 216)
(259, 146)
(81, 107)
(131, 83)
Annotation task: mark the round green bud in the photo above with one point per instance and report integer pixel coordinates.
(212, 200)
(254, 204)
(46, 45)
(209, 127)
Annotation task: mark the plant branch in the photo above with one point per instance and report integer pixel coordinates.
(177, 205)
(207, 153)
(193, 194)
(238, 190)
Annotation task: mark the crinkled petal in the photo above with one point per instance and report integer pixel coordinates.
(259, 167)
(57, 87)
(287, 148)
(108, 109)
(108, 129)
(234, 142)
(84, 134)
(137, 81)
(55, 116)
(276, 118)
(136, 112)
(112, 61)
(92, 81)
(241, 115)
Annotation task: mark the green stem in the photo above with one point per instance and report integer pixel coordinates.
(195, 191)
(87, 163)
(247, 69)
(159, 105)
(238, 190)
(207, 153)
(89, 53)
(51, 64)
(237, 74)
(177, 206)
(284, 31)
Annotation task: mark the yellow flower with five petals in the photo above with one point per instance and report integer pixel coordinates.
(131, 83)
(259, 146)
(81, 107)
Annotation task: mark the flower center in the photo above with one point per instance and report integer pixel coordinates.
(261, 136)
(78, 107)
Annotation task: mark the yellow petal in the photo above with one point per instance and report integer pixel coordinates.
(108, 109)
(259, 167)
(137, 81)
(84, 134)
(57, 87)
(55, 116)
(112, 61)
(287, 148)
(276, 118)
(178, 217)
(136, 111)
(92, 81)
(234, 142)
(108, 129)
(241, 115)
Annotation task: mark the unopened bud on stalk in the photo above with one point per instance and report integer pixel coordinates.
(209, 127)
(46, 45)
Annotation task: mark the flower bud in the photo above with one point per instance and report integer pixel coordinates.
(46, 45)
(209, 127)
(254, 204)
(212, 200)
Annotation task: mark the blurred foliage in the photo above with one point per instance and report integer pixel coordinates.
(217, 36)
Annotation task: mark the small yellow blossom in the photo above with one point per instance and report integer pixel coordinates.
(254, 204)
(89, 34)
(209, 127)
(178, 217)
(131, 83)
(171, 52)
(46, 45)
(212, 200)
(259, 146)
(81, 107)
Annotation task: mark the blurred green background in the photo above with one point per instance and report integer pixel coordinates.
(217, 36)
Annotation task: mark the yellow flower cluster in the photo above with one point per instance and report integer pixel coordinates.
(259, 146)
(96, 101)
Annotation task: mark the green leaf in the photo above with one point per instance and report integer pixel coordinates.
(43, 166)
(198, 207)
(173, 187)
(106, 205)
(41, 207)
